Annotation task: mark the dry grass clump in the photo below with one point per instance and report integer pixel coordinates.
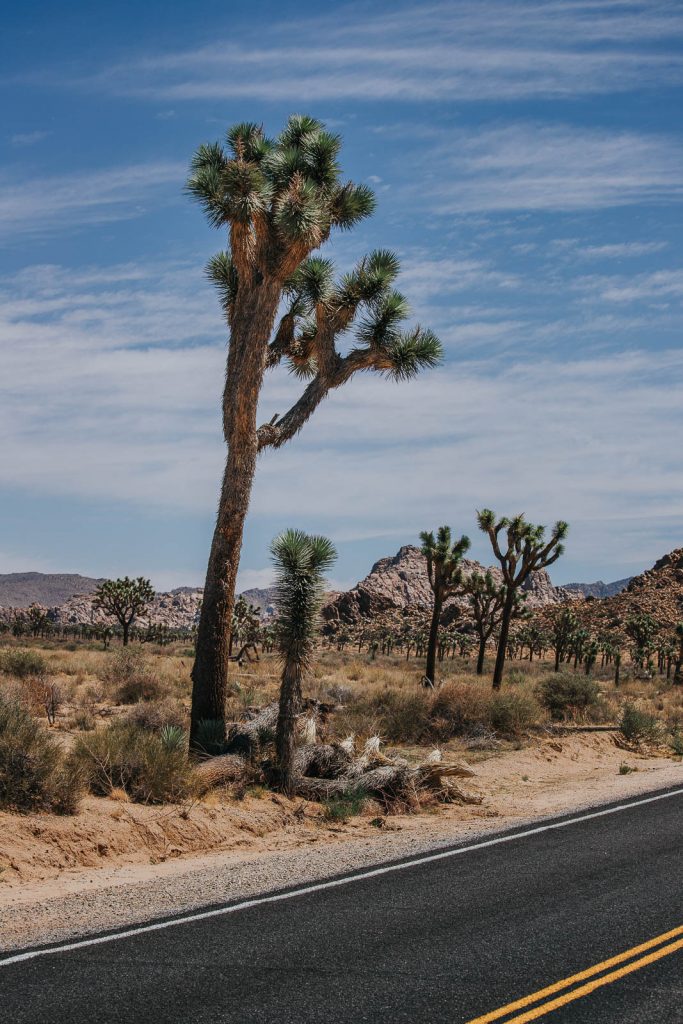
(155, 715)
(151, 768)
(131, 675)
(417, 716)
(22, 663)
(34, 775)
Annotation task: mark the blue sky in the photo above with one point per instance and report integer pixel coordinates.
(528, 163)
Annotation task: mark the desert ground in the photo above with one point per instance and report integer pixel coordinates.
(66, 873)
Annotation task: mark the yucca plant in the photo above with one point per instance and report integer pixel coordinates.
(445, 578)
(279, 200)
(527, 551)
(301, 562)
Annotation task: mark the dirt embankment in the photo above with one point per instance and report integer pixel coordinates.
(57, 875)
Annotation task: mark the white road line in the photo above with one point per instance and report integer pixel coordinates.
(331, 884)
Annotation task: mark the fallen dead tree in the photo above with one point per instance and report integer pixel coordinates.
(324, 771)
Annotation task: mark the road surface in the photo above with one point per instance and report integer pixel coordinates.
(578, 920)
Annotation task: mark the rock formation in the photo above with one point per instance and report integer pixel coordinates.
(400, 582)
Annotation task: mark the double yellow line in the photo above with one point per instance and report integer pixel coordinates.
(668, 943)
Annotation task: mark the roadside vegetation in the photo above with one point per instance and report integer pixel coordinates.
(119, 718)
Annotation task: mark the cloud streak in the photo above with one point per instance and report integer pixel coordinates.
(57, 203)
(483, 50)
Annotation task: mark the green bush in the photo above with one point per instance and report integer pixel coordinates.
(342, 806)
(638, 725)
(676, 742)
(22, 663)
(34, 775)
(566, 695)
(513, 713)
(151, 768)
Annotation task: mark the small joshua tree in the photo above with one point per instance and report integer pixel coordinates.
(125, 599)
(678, 670)
(527, 551)
(445, 578)
(300, 564)
(641, 630)
(487, 599)
(562, 628)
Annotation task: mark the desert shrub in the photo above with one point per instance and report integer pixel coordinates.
(34, 775)
(513, 713)
(84, 720)
(676, 742)
(129, 672)
(638, 725)
(342, 806)
(150, 768)
(458, 709)
(22, 663)
(566, 695)
(400, 717)
(155, 715)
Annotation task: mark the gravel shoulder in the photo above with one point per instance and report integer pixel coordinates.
(50, 889)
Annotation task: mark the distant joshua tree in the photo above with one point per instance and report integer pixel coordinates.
(300, 564)
(527, 551)
(562, 628)
(445, 578)
(486, 598)
(678, 670)
(280, 199)
(125, 599)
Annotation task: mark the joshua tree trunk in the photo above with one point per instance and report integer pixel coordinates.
(290, 702)
(125, 626)
(251, 328)
(508, 609)
(430, 671)
(481, 655)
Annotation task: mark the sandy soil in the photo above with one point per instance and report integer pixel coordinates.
(117, 863)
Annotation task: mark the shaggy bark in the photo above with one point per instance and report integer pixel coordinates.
(251, 327)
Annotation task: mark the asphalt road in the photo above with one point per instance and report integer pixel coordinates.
(447, 940)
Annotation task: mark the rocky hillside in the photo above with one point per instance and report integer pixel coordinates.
(657, 592)
(401, 582)
(21, 589)
(598, 589)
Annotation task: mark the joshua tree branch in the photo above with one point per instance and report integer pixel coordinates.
(339, 370)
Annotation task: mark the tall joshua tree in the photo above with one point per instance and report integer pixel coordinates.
(301, 563)
(487, 600)
(445, 577)
(527, 551)
(279, 200)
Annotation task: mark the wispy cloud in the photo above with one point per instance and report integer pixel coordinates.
(620, 250)
(549, 167)
(41, 205)
(95, 414)
(473, 50)
(28, 138)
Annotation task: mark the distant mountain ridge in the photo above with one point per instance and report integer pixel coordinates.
(21, 589)
(598, 589)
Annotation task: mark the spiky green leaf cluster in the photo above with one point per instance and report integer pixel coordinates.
(444, 556)
(301, 562)
(293, 181)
